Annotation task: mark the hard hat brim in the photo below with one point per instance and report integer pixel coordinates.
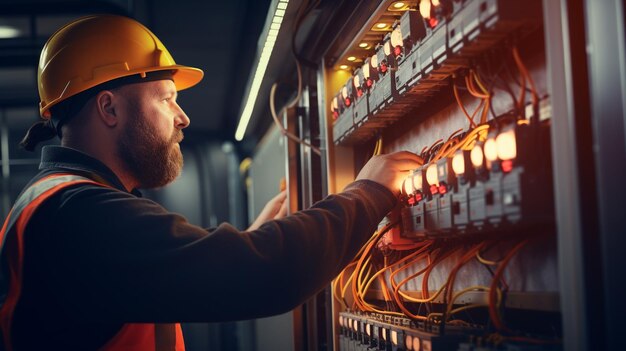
(184, 76)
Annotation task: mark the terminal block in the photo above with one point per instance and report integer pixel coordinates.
(369, 332)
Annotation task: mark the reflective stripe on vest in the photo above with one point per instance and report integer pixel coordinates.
(148, 337)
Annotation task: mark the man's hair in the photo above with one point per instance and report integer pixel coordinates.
(61, 114)
(66, 110)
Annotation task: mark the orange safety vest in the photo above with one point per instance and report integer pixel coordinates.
(132, 336)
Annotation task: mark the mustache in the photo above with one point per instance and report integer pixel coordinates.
(177, 136)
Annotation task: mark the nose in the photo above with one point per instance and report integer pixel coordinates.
(181, 120)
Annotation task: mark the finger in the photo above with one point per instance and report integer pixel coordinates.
(406, 164)
(405, 155)
(280, 197)
(282, 212)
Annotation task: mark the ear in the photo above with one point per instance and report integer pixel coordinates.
(106, 102)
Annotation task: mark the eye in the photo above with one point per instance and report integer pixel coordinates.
(169, 97)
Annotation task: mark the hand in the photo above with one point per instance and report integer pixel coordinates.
(390, 169)
(276, 208)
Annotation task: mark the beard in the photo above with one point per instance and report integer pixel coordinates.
(151, 160)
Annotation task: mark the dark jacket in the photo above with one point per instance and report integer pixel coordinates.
(97, 257)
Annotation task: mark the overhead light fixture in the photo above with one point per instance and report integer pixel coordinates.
(7, 32)
(261, 66)
(380, 26)
(398, 6)
(363, 45)
(351, 58)
(344, 66)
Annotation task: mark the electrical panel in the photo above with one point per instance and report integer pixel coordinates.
(466, 261)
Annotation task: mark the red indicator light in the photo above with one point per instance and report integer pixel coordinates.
(433, 22)
(335, 115)
(369, 83)
(397, 50)
(383, 67)
(418, 197)
(507, 166)
(411, 201)
(348, 102)
(443, 189)
(359, 92)
(433, 189)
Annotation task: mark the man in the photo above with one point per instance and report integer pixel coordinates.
(89, 264)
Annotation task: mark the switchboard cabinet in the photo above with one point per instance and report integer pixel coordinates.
(486, 249)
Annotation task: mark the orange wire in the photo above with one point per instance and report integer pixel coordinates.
(472, 88)
(493, 311)
(340, 284)
(460, 103)
(415, 256)
(463, 261)
(485, 96)
(398, 298)
(487, 99)
(384, 287)
(425, 291)
(359, 265)
(526, 74)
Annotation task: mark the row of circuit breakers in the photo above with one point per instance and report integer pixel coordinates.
(424, 48)
(372, 332)
(379, 332)
(499, 185)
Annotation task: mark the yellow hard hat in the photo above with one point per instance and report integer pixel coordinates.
(96, 49)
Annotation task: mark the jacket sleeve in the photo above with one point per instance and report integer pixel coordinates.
(116, 257)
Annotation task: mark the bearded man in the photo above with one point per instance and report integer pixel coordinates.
(89, 264)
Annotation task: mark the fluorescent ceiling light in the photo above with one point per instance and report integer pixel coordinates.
(260, 67)
(7, 32)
